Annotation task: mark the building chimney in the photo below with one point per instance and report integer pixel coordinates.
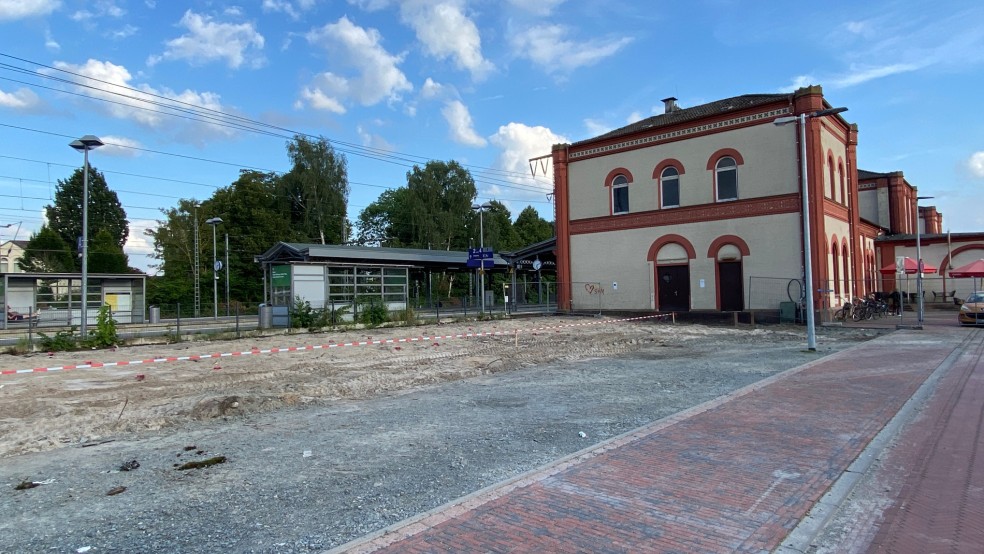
(670, 105)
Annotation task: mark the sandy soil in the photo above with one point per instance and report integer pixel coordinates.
(42, 411)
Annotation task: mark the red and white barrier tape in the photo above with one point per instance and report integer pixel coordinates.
(310, 347)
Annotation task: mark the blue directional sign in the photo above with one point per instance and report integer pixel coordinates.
(480, 253)
(485, 263)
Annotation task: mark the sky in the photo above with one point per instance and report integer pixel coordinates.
(185, 94)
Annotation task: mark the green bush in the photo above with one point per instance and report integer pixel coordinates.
(105, 335)
(372, 312)
(62, 341)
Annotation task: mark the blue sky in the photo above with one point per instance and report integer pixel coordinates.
(488, 83)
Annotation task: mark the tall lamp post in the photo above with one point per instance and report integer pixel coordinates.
(84, 144)
(811, 329)
(216, 266)
(481, 244)
(919, 263)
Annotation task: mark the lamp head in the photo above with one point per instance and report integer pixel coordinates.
(88, 142)
(213, 221)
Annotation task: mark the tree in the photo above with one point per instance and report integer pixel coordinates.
(46, 252)
(105, 211)
(439, 205)
(174, 246)
(499, 232)
(386, 221)
(531, 228)
(317, 189)
(105, 256)
(255, 217)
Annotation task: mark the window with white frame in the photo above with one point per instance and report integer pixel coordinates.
(620, 195)
(669, 182)
(726, 175)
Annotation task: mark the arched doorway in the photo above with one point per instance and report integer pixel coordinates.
(728, 252)
(673, 278)
(730, 282)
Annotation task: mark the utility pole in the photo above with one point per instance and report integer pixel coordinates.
(197, 271)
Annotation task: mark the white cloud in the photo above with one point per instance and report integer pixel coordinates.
(128, 103)
(49, 41)
(446, 32)
(519, 143)
(799, 82)
(22, 100)
(549, 47)
(431, 89)
(373, 140)
(976, 164)
(863, 74)
(209, 41)
(100, 8)
(377, 76)
(11, 10)
(371, 5)
(541, 7)
(595, 127)
(120, 147)
(126, 32)
(460, 124)
(318, 100)
(139, 246)
(293, 9)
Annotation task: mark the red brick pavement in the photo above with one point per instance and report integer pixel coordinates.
(733, 475)
(940, 460)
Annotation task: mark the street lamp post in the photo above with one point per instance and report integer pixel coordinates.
(481, 244)
(216, 266)
(84, 144)
(227, 272)
(919, 263)
(811, 329)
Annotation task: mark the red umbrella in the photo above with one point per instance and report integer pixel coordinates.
(910, 267)
(973, 269)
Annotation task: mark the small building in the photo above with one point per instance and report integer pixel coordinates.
(55, 299)
(10, 252)
(327, 275)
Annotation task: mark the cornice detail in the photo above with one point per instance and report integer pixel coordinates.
(662, 137)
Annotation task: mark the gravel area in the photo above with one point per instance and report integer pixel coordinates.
(311, 450)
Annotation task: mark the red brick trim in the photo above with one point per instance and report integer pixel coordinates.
(724, 240)
(946, 259)
(668, 239)
(754, 207)
(615, 173)
(715, 157)
(669, 162)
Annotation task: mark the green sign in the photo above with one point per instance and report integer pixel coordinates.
(280, 276)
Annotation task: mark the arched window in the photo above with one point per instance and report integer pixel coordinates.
(845, 259)
(832, 191)
(843, 184)
(620, 195)
(669, 182)
(836, 264)
(726, 179)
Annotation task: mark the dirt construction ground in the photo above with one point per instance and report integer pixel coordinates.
(311, 449)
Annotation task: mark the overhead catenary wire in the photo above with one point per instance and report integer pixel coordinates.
(227, 119)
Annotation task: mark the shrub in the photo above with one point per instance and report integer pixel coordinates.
(105, 335)
(62, 341)
(372, 313)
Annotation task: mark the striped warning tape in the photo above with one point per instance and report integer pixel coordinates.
(306, 348)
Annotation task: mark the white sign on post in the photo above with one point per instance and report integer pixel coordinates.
(900, 265)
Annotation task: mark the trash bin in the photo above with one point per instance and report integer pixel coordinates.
(155, 314)
(266, 316)
(787, 312)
